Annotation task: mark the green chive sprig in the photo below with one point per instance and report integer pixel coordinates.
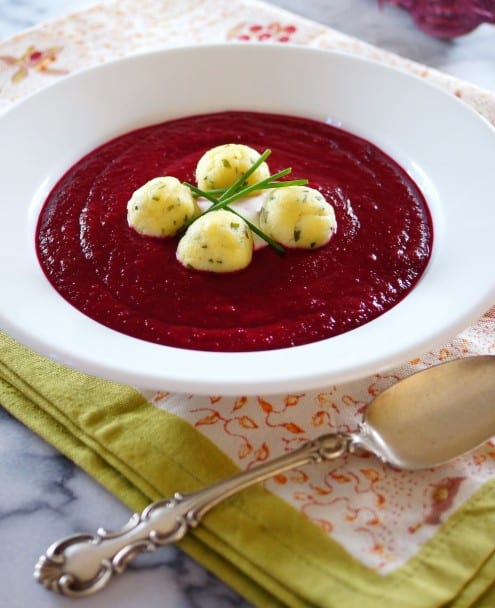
(221, 199)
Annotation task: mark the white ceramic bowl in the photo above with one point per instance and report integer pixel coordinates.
(446, 147)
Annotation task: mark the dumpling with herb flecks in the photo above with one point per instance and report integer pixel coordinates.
(161, 207)
(223, 165)
(218, 241)
(298, 217)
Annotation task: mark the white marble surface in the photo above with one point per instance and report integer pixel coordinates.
(44, 496)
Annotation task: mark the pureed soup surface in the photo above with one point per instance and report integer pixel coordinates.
(135, 285)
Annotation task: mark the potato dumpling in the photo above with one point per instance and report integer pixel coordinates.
(161, 207)
(298, 217)
(220, 167)
(219, 241)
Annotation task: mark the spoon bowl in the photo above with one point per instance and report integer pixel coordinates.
(432, 416)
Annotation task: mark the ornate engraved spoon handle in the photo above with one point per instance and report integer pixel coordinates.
(83, 564)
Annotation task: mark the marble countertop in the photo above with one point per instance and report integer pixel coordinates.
(44, 496)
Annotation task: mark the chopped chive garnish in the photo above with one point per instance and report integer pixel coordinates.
(278, 248)
(240, 181)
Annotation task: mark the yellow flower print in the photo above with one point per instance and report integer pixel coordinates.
(33, 59)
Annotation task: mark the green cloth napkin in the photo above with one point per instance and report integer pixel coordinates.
(255, 542)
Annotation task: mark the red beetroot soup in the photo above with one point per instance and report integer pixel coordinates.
(135, 285)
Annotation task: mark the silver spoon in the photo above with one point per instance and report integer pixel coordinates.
(422, 421)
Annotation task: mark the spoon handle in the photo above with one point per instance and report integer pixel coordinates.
(82, 564)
